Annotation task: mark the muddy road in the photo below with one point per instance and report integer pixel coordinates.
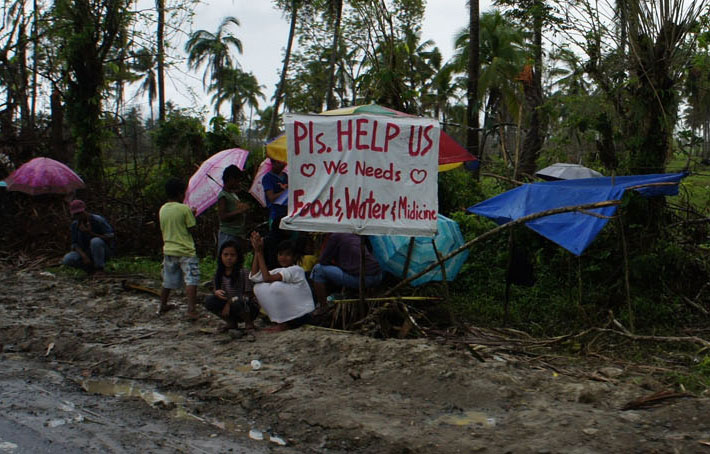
(122, 379)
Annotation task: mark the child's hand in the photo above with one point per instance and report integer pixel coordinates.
(255, 237)
(283, 186)
(221, 294)
(194, 211)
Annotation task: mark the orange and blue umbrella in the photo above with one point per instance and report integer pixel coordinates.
(451, 154)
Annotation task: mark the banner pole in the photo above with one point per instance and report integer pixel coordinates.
(362, 269)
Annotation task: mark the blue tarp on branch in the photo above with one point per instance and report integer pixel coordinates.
(573, 231)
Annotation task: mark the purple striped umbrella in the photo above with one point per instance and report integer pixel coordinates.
(206, 184)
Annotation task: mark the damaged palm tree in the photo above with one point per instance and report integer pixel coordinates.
(659, 38)
(636, 53)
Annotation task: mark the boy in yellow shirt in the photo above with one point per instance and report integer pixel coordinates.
(180, 262)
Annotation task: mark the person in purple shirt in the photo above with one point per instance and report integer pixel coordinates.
(339, 266)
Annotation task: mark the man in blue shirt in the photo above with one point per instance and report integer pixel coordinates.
(92, 239)
(276, 189)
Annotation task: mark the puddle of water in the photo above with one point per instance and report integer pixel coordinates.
(60, 422)
(130, 389)
(119, 388)
(467, 418)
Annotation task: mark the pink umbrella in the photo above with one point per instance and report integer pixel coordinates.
(44, 176)
(257, 189)
(206, 184)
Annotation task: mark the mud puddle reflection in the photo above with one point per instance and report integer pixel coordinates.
(174, 401)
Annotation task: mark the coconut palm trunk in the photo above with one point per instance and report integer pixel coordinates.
(472, 87)
(273, 123)
(330, 98)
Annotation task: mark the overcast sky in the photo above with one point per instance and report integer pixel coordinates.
(264, 31)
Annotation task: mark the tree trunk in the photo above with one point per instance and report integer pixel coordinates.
(535, 136)
(273, 123)
(472, 87)
(160, 5)
(35, 60)
(330, 98)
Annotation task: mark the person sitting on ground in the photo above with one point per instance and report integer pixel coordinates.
(283, 292)
(231, 210)
(339, 266)
(180, 262)
(92, 239)
(233, 299)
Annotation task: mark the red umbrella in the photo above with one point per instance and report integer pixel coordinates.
(44, 176)
(206, 184)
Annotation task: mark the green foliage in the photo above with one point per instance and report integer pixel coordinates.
(181, 139)
(458, 190)
(697, 379)
(224, 135)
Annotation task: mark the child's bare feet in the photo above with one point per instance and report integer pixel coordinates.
(192, 316)
(165, 308)
(226, 327)
(276, 328)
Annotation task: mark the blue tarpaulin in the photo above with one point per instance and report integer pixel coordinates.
(573, 231)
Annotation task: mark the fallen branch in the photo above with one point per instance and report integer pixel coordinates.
(690, 339)
(131, 339)
(511, 224)
(653, 399)
(131, 286)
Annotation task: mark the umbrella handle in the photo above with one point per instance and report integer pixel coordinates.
(216, 182)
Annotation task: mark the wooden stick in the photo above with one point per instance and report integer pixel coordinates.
(409, 257)
(627, 284)
(131, 339)
(443, 268)
(362, 269)
(390, 298)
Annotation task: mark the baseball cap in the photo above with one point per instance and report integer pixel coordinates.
(76, 206)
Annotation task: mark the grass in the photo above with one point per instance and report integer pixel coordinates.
(696, 187)
(145, 266)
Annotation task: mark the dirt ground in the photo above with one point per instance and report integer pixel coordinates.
(316, 390)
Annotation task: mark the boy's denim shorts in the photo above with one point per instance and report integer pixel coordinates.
(179, 269)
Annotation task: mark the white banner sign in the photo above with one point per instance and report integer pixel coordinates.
(370, 175)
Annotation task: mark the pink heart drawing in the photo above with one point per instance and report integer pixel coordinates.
(307, 170)
(418, 175)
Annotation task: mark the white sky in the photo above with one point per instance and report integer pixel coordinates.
(263, 33)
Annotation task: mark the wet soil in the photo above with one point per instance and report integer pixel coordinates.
(316, 390)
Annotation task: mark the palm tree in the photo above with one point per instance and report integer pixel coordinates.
(213, 49)
(238, 88)
(337, 7)
(502, 57)
(273, 125)
(472, 70)
(145, 64)
(160, 6)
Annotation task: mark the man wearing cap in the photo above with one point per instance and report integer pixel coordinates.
(92, 239)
